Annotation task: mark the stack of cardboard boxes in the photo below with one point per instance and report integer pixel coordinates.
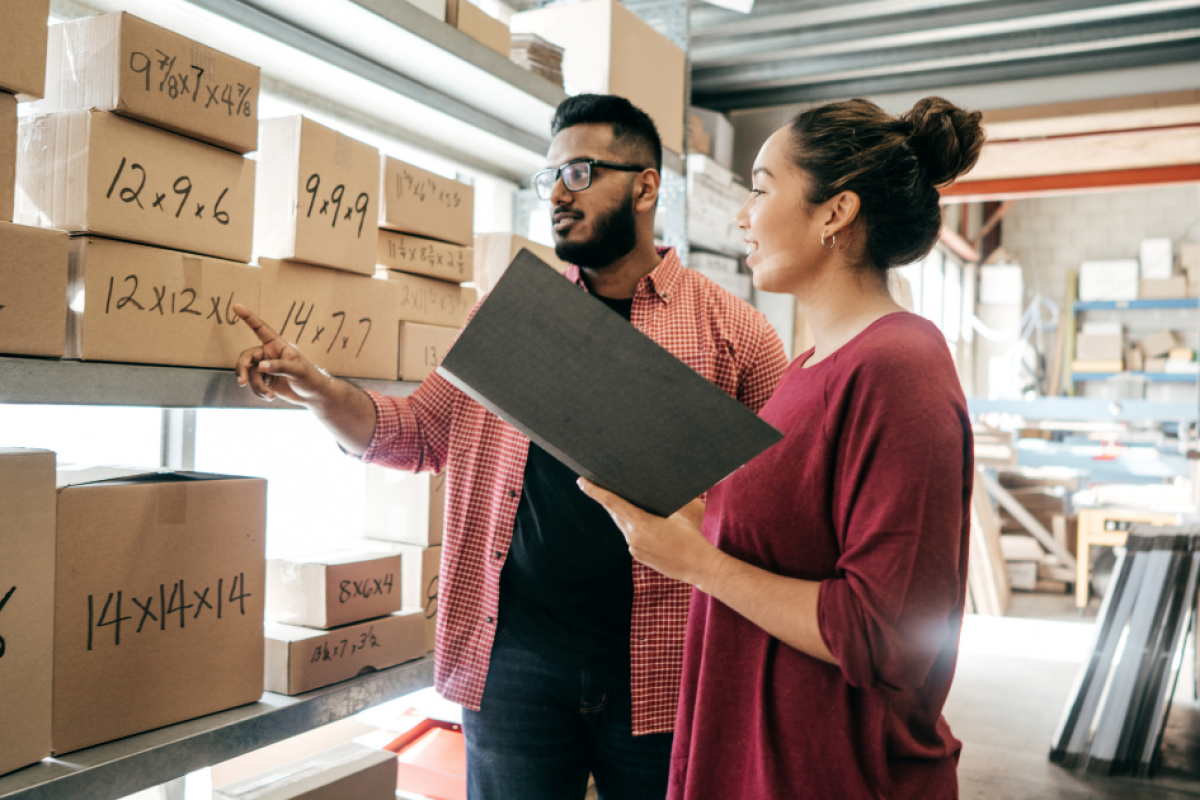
(715, 196)
(1161, 271)
(138, 150)
(540, 57)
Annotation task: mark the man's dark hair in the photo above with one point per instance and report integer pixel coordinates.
(633, 130)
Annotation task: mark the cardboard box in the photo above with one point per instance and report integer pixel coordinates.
(158, 600)
(95, 172)
(33, 291)
(429, 257)
(147, 305)
(23, 47)
(8, 156)
(422, 348)
(1157, 259)
(1164, 289)
(302, 745)
(1094, 347)
(328, 590)
(26, 605)
(430, 301)
(348, 771)
(1181, 354)
(495, 251)
(1100, 365)
(423, 203)
(1156, 365)
(345, 324)
(405, 507)
(121, 63)
(317, 196)
(302, 659)
(1159, 344)
(419, 570)
(1135, 360)
(610, 50)
(720, 133)
(479, 25)
(1109, 280)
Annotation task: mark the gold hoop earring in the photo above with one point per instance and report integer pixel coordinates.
(832, 241)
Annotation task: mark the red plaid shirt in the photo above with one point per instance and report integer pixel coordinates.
(439, 427)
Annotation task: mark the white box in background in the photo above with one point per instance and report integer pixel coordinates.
(1001, 285)
(720, 132)
(1157, 259)
(703, 262)
(405, 507)
(1109, 280)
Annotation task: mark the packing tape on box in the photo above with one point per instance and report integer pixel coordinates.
(273, 782)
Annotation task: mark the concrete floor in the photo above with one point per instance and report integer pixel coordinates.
(1014, 677)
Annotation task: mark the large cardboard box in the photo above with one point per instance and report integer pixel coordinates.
(327, 590)
(479, 25)
(317, 197)
(423, 203)
(120, 63)
(33, 291)
(348, 771)
(430, 301)
(8, 156)
(1159, 344)
(1171, 288)
(495, 251)
(419, 581)
(422, 348)
(23, 47)
(405, 507)
(407, 253)
(27, 605)
(158, 600)
(1099, 347)
(148, 305)
(345, 324)
(610, 50)
(95, 172)
(302, 659)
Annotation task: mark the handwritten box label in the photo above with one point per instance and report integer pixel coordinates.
(345, 324)
(302, 659)
(33, 291)
(331, 589)
(430, 301)
(423, 203)
(153, 306)
(159, 601)
(405, 507)
(433, 259)
(419, 569)
(422, 348)
(120, 63)
(317, 196)
(26, 605)
(95, 172)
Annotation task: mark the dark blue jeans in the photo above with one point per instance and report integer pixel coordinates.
(542, 727)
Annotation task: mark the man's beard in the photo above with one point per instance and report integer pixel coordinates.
(614, 237)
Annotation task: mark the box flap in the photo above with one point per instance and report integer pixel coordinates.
(90, 474)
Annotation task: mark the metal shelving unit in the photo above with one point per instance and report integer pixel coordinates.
(1112, 305)
(117, 769)
(1152, 377)
(1076, 409)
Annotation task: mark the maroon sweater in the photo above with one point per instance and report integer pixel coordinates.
(869, 494)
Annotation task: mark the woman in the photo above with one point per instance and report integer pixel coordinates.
(832, 569)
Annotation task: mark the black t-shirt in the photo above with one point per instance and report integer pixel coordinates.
(567, 587)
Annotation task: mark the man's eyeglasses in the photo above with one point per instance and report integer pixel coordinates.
(576, 175)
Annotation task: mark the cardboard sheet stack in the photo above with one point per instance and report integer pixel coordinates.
(332, 616)
(714, 198)
(538, 56)
(138, 150)
(33, 282)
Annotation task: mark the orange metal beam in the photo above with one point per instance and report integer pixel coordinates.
(1043, 185)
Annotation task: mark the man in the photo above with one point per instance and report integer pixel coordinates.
(564, 653)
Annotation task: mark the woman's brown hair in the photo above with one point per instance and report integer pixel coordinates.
(894, 165)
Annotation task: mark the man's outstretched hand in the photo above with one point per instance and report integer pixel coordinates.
(275, 368)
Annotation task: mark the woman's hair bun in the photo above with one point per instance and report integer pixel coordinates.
(947, 139)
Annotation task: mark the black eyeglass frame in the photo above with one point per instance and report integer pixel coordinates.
(592, 164)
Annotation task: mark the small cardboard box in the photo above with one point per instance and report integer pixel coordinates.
(720, 132)
(422, 348)
(1098, 347)
(1164, 289)
(405, 507)
(317, 196)
(147, 305)
(158, 600)
(23, 47)
(8, 156)
(429, 257)
(348, 771)
(1135, 360)
(479, 25)
(1156, 365)
(495, 251)
(424, 203)
(1159, 344)
(328, 590)
(27, 605)
(611, 50)
(95, 172)
(346, 324)
(121, 63)
(302, 659)
(419, 570)
(1109, 280)
(1181, 354)
(33, 291)
(430, 301)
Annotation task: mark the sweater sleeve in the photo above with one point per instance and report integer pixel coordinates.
(903, 473)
